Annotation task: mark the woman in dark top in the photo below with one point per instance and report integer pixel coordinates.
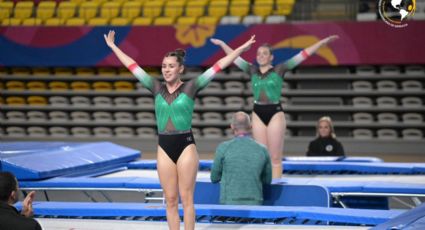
(326, 143)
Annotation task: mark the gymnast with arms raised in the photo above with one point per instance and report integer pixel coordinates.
(174, 103)
(268, 120)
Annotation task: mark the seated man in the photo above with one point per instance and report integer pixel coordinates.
(241, 165)
(10, 218)
(326, 143)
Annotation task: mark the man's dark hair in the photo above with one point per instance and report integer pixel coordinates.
(7, 185)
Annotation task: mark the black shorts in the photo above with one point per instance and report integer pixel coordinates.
(174, 144)
(266, 112)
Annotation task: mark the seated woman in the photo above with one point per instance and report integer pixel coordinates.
(326, 143)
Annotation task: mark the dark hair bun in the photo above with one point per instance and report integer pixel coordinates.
(180, 52)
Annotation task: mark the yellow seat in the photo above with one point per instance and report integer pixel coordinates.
(58, 85)
(173, 8)
(163, 21)
(88, 10)
(80, 85)
(36, 85)
(77, 2)
(36, 100)
(21, 71)
(123, 86)
(123, 71)
(11, 22)
(98, 22)
(62, 71)
(32, 22)
(142, 21)
(66, 10)
(239, 8)
(186, 21)
(196, 8)
(120, 21)
(41, 71)
(75, 22)
(152, 8)
(208, 20)
(46, 10)
(105, 71)
(23, 10)
(110, 10)
(82, 71)
(102, 86)
(15, 85)
(218, 8)
(54, 22)
(263, 7)
(6, 9)
(131, 9)
(284, 7)
(15, 100)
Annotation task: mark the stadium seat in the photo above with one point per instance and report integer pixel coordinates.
(80, 101)
(362, 102)
(252, 19)
(212, 117)
(412, 134)
(145, 116)
(83, 71)
(80, 85)
(174, 8)
(16, 116)
(120, 21)
(46, 9)
(212, 132)
(239, 8)
(208, 20)
(56, 131)
(80, 116)
(412, 118)
(58, 116)
(62, 71)
(58, 101)
(123, 117)
(31, 22)
(196, 117)
(362, 86)
(153, 8)
(390, 70)
(110, 9)
(234, 101)
(144, 101)
(107, 71)
(212, 101)
(88, 10)
(131, 9)
(387, 134)
(14, 131)
(6, 9)
(102, 86)
(37, 100)
(75, 22)
(124, 132)
(386, 102)
(365, 70)
(411, 85)
(81, 132)
(363, 118)
(41, 71)
(36, 85)
(387, 118)
(58, 85)
(123, 101)
(101, 116)
(102, 101)
(23, 9)
(275, 19)
(196, 8)
(36, 131)
(15, 85)
(186, 21)
(415, 102)
(36, 116)
(415, 70)
(142, 21)
(263, 7)
(102, 132)
(98, 22)
(163, 21)
(230, 20)
(146, 132)
(123, 86)
(386, 86)
(11, 22)
(362, 134)
(54, 22)
(66, 10)
(284, 7)
(218, 8)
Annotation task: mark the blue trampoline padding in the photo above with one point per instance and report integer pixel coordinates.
(371, 187)
(319, 167)
(89, 182)
(67, 159)
(82, 209)
(412, 219)
(334, 159)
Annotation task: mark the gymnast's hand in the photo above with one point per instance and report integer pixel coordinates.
(330, 39)
(247, 45)
(27, 205)
(217, 42)
(110, 38)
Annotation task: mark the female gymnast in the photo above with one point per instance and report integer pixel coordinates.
(174, 102)
(268, 119)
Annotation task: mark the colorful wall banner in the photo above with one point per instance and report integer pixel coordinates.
(360, 43)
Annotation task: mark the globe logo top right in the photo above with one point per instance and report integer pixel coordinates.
(396, 12)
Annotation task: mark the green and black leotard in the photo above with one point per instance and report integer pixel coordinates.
(174, 111)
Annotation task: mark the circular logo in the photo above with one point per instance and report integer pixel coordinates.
(329, 148)
(396, 12)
